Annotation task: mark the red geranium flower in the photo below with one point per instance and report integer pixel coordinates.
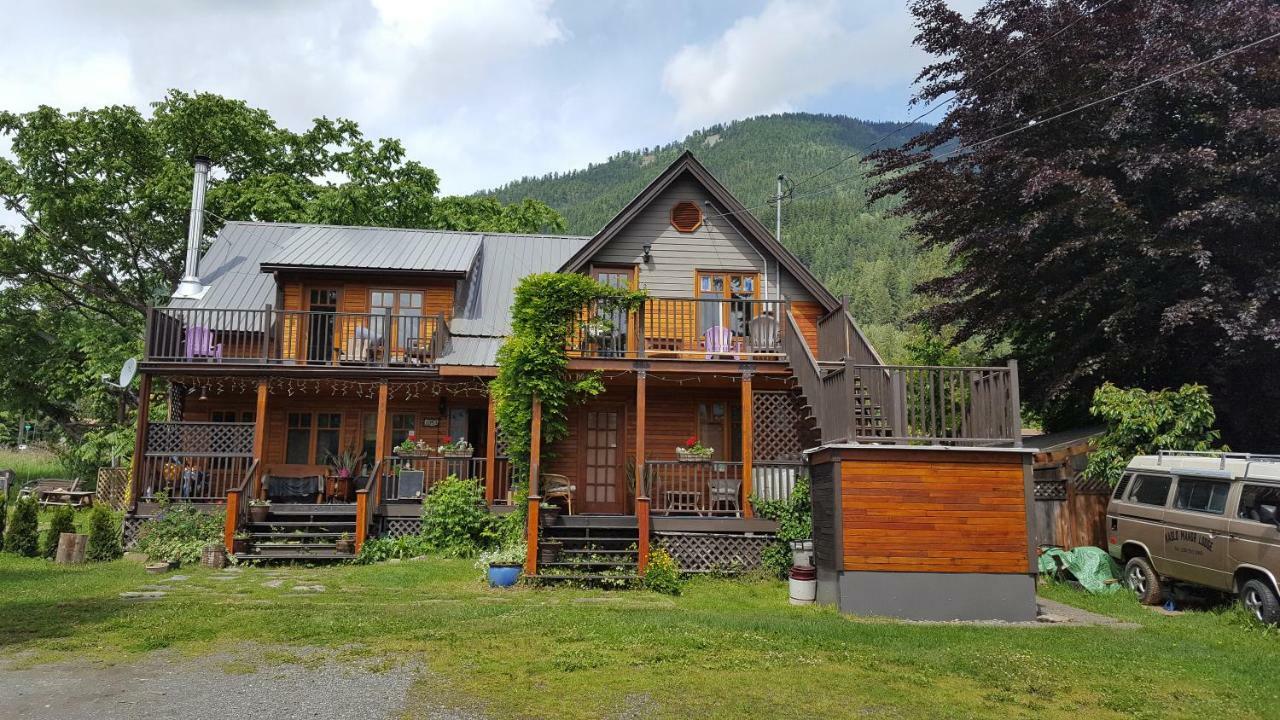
(447, 439)
(691, 442)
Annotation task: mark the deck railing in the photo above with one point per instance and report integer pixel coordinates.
(293, 337)
(434, 470)
(713, 487)
(193, 461)
(680, 328)
(974, 406)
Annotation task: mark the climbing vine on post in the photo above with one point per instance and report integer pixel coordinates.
(548, 309)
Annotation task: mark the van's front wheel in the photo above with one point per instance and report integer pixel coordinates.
(1143, 581)
(1260, 601)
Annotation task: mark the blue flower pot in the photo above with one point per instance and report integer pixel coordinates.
(503, 575)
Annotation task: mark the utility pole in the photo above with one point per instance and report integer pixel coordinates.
(777, 207)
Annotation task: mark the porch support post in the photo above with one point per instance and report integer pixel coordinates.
(642, 492)
(535, 493)
(380, 442)
(229, 526)
(260, 436)
(748, 436)
(140, 439)
(491, 450)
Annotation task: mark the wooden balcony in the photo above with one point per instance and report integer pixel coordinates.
(714, 488)
(267, 337)
(681, 329)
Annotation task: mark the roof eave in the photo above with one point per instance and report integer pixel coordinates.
(344, 270)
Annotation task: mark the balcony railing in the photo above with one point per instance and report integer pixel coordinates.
(713, 487)
(294, 337)
(680, 328)
(971, 406)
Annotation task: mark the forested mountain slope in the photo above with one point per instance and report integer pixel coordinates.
(856, 247)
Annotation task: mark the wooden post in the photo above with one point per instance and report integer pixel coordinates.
(266, 334)
(233, 512)
(642, 533)
(1015, 404)
(259, 440)
(380, 442)
(362, 524)
(535, 493)
(642, 492)
(140, 439)
(71, 548)
(491, 451)
(748, 422)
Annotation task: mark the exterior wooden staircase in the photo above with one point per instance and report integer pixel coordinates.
(301, 532)
(592, 550)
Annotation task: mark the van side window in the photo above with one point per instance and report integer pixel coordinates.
(1150, 489)
(1198, 495)
(1259, 503)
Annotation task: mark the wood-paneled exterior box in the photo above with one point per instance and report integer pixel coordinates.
(924, 532)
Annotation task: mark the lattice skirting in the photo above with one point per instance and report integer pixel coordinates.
(714, 552)
(398, 527)
(129, 530)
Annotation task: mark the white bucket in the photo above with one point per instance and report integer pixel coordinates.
(802, 553)
(803, 592)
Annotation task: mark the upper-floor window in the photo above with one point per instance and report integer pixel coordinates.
(406, 308)
(727, 286)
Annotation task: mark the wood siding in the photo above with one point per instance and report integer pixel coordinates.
(934, 511)
(715, 245)
(807, 314)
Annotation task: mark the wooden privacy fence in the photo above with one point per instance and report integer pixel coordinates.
(1069, 511)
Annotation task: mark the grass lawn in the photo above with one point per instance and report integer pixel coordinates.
(725, 649)
(31, 464)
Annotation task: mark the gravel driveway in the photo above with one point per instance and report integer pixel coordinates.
(280, 684)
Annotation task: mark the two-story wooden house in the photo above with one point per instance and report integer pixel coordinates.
(290, 344)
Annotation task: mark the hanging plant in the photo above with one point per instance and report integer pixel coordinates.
(547, 309)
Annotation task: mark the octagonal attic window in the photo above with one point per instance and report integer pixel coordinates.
(686, 216)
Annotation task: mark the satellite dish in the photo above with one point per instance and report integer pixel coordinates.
(128, 371)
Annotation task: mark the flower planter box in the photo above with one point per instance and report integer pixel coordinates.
(458, 453)
(684, 455)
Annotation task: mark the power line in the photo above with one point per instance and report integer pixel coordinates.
(953, 98)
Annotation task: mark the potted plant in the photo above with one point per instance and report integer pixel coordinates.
(548, 513)
(240, 542)
(346, 462)
(458, 448)
(502, 566)
(258, 510)
(549, 550)
(345, 545)
(694, 451)
(410, 446)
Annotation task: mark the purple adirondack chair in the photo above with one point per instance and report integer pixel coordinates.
(200, 343)
(717, 340)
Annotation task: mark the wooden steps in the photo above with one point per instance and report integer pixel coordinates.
(600, 551)
(307, 532)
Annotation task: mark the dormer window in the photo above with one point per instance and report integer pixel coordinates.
(686, 216)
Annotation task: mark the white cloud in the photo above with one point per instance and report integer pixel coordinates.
(788, 53)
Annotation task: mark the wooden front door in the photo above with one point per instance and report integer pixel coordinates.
(603, 485)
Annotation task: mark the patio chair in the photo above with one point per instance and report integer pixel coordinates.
(410, 485)
(200, 344)
(718, 340)
(763, 332)
(726, 492)
(558, 486)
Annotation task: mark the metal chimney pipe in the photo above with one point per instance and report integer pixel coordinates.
(190, 285)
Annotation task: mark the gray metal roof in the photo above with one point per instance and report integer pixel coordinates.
(464, 350)
(373, 248)
(484, 306)
(230, 267)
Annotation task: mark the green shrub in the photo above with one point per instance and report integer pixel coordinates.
(1143, 423)
(21, 535)
(795, 522)
(400, 548)
(63, 520)
(179, 534)
(104, 535)
(663, 574)
(4, 513)
(455, 521)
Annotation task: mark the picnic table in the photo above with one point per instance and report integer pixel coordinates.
(61, 496)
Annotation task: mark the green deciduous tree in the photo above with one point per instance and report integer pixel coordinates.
(1134, 241)
(1143, 423)
(102, 200)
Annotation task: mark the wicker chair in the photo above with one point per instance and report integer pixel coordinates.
(558, 486)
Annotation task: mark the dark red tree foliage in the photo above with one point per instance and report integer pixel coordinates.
(1137, 241)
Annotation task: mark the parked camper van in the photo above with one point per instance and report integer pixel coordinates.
(1204, 518)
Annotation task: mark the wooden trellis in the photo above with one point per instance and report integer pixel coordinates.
(776, 427)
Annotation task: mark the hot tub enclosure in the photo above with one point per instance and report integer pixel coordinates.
(924, 532)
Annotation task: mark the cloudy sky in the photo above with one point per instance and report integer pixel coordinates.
(483, 91)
